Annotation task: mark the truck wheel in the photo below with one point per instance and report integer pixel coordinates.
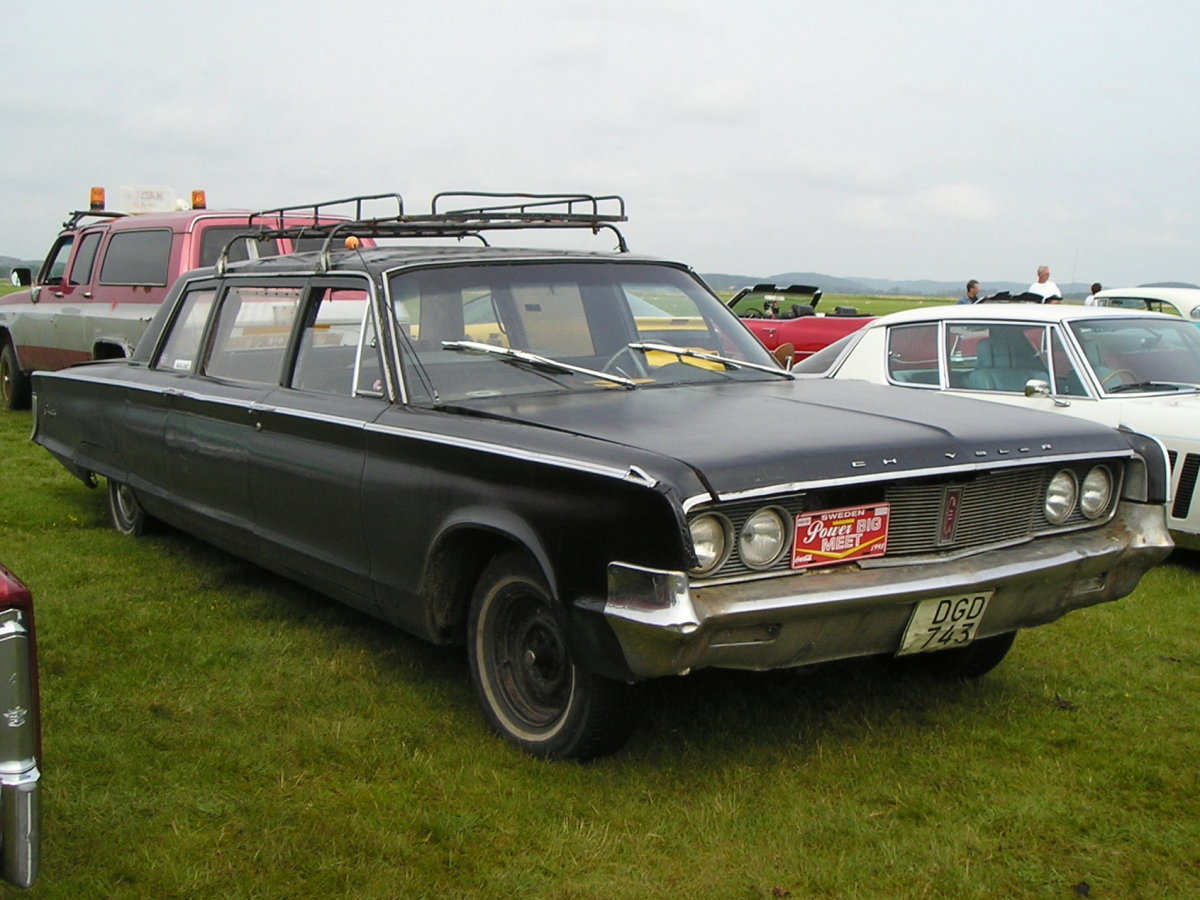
(972, 661)
(14, 384)
(532, 692)
(126, 513)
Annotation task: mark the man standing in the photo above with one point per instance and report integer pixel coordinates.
(1090, 300)
(1044, 287)
(972, 292)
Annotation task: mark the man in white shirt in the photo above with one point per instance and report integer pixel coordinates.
(1090, 300)
(1045, 287)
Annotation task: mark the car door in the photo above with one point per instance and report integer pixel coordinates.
(213, 412)
(308, 445)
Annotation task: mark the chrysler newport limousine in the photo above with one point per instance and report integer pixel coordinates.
(583, 468)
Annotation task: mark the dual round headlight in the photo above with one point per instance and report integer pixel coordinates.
(1065, 492)
(761, 540)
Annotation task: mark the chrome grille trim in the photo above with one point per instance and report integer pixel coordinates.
(1000, 506)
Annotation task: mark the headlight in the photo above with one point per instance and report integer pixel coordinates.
(710, 538)
(763, 538)
(1096, 492)
(1060, 497)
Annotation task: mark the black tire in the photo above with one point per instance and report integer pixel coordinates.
(532, 692)
(14, 384)
(124, 511)
(972, 661)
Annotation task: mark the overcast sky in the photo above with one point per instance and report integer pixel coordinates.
(922, 139)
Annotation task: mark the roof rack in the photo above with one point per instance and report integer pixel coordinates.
(509, 211)
(78, 214)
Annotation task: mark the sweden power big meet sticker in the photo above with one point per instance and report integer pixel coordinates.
(840, 535)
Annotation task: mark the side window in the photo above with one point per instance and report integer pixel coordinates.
(182, 347)
(214, 238)
(996, 357)
(81, 269)
(137, 258)
(250, 336)
(55, 266)
(912, 356)
(339, 346)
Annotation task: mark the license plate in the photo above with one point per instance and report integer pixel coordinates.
(840, 535)
(940, 623)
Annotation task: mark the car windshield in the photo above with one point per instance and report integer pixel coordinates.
(494, 330)
(1130, 354)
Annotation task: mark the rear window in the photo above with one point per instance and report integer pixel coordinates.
(137, 257)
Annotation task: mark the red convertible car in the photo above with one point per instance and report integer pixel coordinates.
(786, 316)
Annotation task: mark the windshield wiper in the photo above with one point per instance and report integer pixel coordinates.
(533, 360)
(1153, 386)
(710, 357)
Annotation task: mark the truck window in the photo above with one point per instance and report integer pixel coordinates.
(55, 265)
(137, 257)
(214, 239)
(81, 269)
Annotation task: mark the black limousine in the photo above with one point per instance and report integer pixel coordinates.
(583, 467)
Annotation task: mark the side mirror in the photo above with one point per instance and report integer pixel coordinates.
(1035, 387)
(22, 276)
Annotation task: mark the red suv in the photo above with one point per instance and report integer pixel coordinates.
(106, 275)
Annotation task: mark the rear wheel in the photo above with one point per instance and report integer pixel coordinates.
(972, 661)
(14, 384)
(532, 692)
(126, 513)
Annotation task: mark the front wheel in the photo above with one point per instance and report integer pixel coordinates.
(532, 692)
(126, 513)
(14, 384)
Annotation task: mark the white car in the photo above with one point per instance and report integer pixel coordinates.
(1125, 368)
(1174, 301)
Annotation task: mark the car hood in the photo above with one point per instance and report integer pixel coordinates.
(748, 436)
(1161, 415)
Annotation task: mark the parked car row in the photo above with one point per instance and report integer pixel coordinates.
(584, 469)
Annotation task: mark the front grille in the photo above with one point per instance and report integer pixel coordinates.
(1187, 486)
(998, 507)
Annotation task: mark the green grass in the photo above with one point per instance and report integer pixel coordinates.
(211, 730)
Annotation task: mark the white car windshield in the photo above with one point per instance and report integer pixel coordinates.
(1129, 354)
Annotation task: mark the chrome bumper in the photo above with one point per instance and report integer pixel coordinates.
(667, 627)
(20, 815)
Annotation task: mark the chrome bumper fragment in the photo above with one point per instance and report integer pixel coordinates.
(667, 627)
(20, 809)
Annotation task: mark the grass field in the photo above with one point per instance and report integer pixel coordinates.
(211, 730)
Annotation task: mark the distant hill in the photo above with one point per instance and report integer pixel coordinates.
(7, 263)
(882, 287)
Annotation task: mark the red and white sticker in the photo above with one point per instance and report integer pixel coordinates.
(840, 535)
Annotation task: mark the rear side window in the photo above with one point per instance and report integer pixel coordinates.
(137, 258)
(913, 355)
(214, 239)
(251, 334)
(183, 343)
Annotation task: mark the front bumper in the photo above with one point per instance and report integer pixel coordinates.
(666, 627)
